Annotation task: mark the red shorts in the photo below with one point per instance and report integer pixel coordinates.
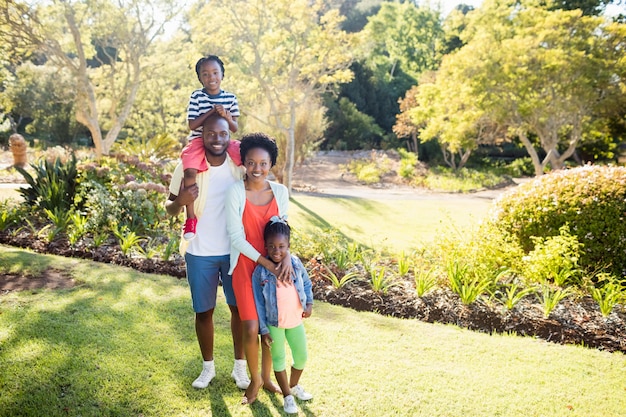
(193, 155)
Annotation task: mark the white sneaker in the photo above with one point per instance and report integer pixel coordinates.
(240, 375)
(207, 374)
(300, 393)
(290, 405)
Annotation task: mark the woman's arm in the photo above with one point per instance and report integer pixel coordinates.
(235, 202)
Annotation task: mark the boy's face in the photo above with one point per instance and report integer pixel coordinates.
(211, 76)
(277, 247)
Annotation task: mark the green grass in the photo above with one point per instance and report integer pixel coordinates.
(394, 224)
(122, 343)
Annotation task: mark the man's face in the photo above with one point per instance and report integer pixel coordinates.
(216, 136)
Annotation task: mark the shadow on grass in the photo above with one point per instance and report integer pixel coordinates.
(116, 346)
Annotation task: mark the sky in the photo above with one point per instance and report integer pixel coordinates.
(448, 5)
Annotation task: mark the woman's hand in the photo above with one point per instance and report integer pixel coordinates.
(285, 269)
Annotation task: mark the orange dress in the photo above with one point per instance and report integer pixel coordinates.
(254, 220)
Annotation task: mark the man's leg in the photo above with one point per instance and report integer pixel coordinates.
(205, 332)
(239, 373)
(203, 277)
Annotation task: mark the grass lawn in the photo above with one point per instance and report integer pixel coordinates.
(394, 224)
(121, 343)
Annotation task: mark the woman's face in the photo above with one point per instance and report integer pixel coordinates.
(258, 163)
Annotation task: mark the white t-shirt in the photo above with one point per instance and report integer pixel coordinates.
(211, 236)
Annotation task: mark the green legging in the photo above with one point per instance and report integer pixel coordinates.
(296, 338)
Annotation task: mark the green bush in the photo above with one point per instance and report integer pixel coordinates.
(591, 200)
(408, 164)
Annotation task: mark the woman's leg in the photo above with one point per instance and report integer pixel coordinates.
(250, 329)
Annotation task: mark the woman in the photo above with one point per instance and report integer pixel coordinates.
(249, 206)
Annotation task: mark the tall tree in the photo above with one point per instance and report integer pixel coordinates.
(537, 72)
(103, 45)
(404, 35)
(287, 51)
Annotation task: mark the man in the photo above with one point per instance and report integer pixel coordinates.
(208, 255)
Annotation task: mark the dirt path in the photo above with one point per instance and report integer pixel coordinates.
(323, 175)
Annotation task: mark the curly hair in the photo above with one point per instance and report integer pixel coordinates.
(208, 58)
(277, 228)
(258, 140)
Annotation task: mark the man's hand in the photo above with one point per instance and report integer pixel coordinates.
(187, 195)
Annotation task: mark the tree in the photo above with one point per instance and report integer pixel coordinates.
(101, 43)
(536, 72)
(404, 35)
(286, 52)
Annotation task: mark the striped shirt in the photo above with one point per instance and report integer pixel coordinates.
(201, 102)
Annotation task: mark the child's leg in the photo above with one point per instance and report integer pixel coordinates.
(194, 161)
(296, 338)
(278, 358)
(189, 179)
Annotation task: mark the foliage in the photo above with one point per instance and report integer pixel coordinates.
(591, 200)
(158, 148)
(500, 84)
(104, 54)
(408, 164)
(381, 281)
(43, 96)
(53, 185)
(425, 281)
(339, 282)
(9, 214)
(469, 285)
(350, 128)
(287, 52)
(551, 296)
(128, 239)
(554, 258)
(463, 179)
(607, 293)
(512, 293)
(370, 171)
(402, 35)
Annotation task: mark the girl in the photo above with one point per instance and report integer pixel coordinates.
(249, 206)
(208, 100)
(281, 308)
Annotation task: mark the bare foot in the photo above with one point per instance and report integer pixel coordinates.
(271, 387)
(252, 391)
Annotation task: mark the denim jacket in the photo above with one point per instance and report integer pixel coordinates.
(264, 288)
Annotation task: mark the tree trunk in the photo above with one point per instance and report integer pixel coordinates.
(532, 152)
(291, 147)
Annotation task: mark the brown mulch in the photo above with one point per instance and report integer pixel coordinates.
(573, 321)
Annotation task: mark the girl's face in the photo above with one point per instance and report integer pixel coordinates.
(258, 164)
(277, 247)
(211, 76)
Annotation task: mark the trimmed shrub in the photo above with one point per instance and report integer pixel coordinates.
(591, 200)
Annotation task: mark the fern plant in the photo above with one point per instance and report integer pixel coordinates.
(339, 282)
(53, 186)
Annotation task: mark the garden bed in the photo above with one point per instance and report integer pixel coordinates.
(573, 321)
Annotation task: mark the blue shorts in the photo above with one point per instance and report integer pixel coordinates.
(203, 275)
